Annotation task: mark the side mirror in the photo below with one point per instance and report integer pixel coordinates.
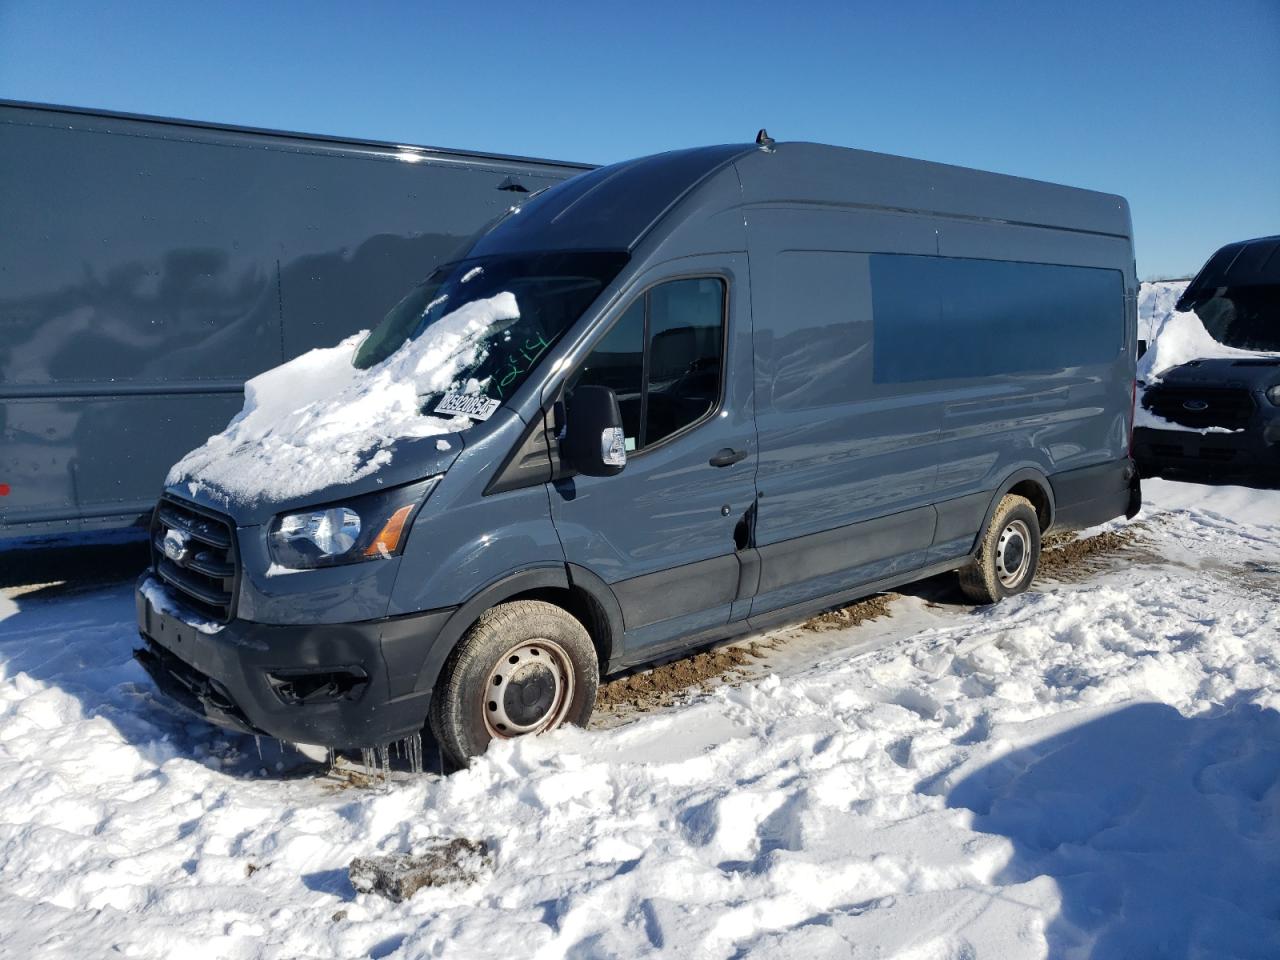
(594, 444)
(1142, 348)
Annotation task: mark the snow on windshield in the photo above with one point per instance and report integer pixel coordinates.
(317, 421)
(1173, 337)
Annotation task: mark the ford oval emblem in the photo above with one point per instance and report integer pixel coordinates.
(175, 545)
(1195, 405)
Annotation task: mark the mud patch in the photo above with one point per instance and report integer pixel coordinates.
(660, 685)
(1261, 578)
(852, 615)
(664, 684)
(1068, 558)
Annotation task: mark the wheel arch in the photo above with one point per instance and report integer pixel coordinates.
(578, 592)
(1029, 482)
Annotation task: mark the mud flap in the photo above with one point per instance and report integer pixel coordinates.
(1135, 493)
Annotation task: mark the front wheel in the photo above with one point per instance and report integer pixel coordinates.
(1008, 555)
(524, 667)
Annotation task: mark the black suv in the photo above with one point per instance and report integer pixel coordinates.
(1235, 401)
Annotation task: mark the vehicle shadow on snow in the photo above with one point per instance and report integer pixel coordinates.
(1162, 832)
(62, 570)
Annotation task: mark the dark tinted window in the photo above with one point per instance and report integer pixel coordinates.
(1247, 318)
(617, 362)
(686, 336)
(677, 380)
(939, 318)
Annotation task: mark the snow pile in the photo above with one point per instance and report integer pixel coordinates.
(1156, 302)
(1088, 770)
(317, 420)
(1173, 336)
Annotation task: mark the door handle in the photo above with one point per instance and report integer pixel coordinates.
(727, 457)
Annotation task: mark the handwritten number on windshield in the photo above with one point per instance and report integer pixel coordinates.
(521, 362)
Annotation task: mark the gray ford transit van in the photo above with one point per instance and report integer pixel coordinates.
(705, 392)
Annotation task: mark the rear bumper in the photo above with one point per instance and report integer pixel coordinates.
(325, 684)
(1252, 453)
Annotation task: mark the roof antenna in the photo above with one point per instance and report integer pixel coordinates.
(763, 139)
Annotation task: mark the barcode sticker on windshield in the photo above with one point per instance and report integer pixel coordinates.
(473, 405)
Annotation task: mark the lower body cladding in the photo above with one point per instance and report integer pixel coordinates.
(1252, 453)
(325, 684)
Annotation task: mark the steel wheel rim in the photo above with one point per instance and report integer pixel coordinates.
(529, 690)
(1013, 553)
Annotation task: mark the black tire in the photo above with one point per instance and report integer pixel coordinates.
(524, 667)
(1008, 554)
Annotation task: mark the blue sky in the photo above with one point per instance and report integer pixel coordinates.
(1174, 104)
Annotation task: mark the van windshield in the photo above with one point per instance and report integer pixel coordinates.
(551, 291)
(1247, 318)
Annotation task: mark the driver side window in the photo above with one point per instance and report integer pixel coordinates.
(662, 359)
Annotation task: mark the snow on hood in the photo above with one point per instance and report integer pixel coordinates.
(317, 421)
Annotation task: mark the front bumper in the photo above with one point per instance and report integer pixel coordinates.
(1252, 453)
(324, 684)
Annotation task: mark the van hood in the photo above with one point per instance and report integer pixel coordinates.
(1257, 372)
(411, 459)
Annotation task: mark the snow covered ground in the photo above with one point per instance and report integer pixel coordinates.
(1088, 770)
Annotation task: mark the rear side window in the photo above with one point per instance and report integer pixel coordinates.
(663, 359)
(942, 318)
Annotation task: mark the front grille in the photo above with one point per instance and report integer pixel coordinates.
(1201, 406)
(201, 561)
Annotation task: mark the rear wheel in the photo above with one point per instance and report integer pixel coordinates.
(524, 668)
(1008, 555)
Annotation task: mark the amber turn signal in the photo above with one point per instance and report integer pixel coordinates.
(388, 539)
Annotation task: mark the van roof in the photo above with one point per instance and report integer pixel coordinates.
(615, 207)
(610, 208)
(841, 176)
(1245, 263)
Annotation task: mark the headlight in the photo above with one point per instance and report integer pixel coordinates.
(1273, 394)
(372, 527)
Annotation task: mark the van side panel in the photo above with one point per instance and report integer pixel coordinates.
(836, 448)
(1050, 376)
(908, 365)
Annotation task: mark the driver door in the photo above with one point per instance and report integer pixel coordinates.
(677, 354)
